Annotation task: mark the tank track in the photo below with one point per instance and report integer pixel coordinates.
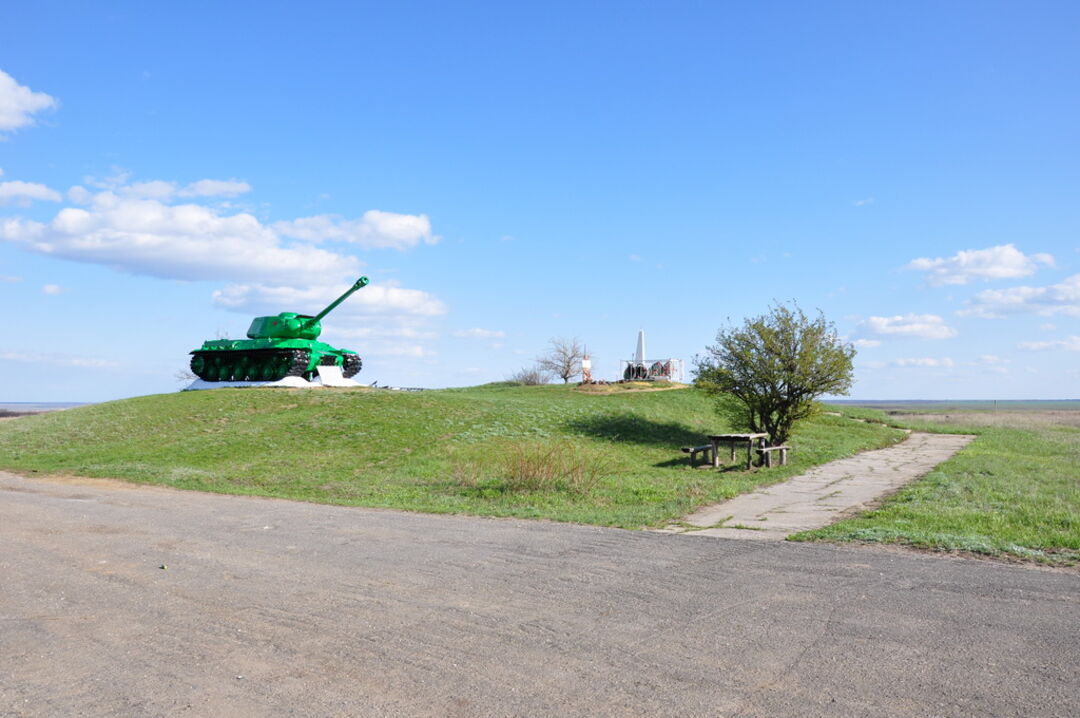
(250, 364)
(351, 365)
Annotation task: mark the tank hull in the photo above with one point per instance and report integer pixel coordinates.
(268, 359)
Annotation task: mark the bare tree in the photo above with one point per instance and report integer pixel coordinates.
(563, 359)
(530, 376)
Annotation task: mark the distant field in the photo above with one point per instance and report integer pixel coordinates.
(1011, 414)
(21, 408)
(983, 406)
(1015, 419)
(1014, 492)
(542, 452)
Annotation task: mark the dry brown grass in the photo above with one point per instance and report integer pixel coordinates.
(615, 388)
(524, 466)
(7, 414)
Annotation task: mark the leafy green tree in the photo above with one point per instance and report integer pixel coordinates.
(768, 373)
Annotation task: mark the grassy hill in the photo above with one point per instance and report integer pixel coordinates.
(545, 452)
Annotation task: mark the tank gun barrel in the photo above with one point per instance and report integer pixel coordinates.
(359, 284)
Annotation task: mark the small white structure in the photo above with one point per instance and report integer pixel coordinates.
(586, 369)
(641, 368)
(332, 376)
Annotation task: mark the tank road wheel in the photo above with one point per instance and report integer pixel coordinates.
(279, 366)
(274, 368)
(213, 368)
(230, 370)
(222, 366)
(350, 365)
(199, 366)
(206, 366)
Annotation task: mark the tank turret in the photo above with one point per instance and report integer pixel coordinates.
(289, 325)
(277, 346)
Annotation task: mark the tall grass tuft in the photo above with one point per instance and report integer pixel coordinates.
(532, 466)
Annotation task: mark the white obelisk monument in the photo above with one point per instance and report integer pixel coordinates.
(639, 355)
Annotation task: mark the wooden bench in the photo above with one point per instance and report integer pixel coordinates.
(706, 449)
(766, 454)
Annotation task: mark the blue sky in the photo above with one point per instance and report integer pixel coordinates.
(508, 173)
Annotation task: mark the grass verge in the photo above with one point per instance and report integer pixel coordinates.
(538, 452)
(1012, 493)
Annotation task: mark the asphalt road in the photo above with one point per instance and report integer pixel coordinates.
(270, 608)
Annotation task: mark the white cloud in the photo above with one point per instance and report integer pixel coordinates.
(23, 193)
(1071, 344)
(154, 189)
(145, 236)
(478, 333)
(80, 195)
(866, 343)
(162, 190)
(413, 351)
(375, 300)
(119, 182)
(634, 258)
(990, 360)
(116, 180)
(863, 202)
(379, 336)
(52, 289)
(215, 188)
(133, 227)
(924, 362)
(369, 332)
(375, 229)
(1062, 298)
(55, 359)
(18, 104)
(923, 326)
(1001, 262)
(991, 363)
(9, 278)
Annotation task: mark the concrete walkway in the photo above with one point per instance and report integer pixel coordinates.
(818, 497)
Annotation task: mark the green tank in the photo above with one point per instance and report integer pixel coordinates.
(276, 347)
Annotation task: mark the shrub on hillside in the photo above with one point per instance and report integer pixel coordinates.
(768, 373)
(530, 376)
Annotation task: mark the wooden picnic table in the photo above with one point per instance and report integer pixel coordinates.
(733, 440)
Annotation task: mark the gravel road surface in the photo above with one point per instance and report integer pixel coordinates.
(118, 600)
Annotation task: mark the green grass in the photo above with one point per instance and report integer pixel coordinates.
(611, 459)
(1012, 493)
